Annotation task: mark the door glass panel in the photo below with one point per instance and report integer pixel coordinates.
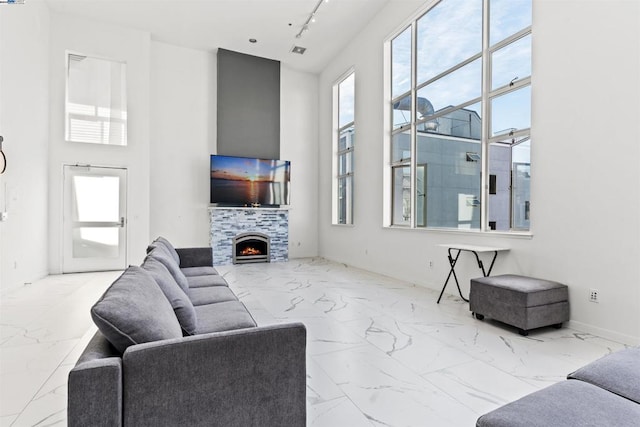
(94, 221)
(92, 242)
(97, 198)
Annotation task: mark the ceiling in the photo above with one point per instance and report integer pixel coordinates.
(229, 24)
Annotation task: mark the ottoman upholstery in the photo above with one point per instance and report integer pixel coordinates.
(524, 302)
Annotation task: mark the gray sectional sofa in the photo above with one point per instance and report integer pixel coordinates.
(175, 346)
(603, 393)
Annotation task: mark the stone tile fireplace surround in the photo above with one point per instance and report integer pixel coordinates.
(227, 223)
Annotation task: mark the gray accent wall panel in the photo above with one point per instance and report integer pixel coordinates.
(248, 110)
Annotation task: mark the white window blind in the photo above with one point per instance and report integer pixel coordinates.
(96, 106)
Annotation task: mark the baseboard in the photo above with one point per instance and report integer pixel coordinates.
(604, 333)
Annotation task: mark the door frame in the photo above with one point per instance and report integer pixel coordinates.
(93, 264)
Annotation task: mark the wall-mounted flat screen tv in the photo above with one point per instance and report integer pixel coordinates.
(244, 181)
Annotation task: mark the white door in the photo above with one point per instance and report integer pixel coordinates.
(94, 219)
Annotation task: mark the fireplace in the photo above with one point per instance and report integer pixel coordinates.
(250, 247)
(226, 222)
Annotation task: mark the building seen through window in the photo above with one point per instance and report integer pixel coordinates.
(344, 91)
(447, 115)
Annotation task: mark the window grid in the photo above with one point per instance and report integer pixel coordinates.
(488, 95)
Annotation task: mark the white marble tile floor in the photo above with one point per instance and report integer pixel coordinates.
(380, 351)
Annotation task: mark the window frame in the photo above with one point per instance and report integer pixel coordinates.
(486, 97)
(95, 117)
(338, 154)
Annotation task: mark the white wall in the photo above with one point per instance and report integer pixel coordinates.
(93, 38)
(183, 115)
(585, 151)
(24, 118)
(183, 135)
(299, 144)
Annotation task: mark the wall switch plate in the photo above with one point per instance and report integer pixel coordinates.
(4, 216)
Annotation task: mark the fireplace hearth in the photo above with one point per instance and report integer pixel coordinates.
(250, 247)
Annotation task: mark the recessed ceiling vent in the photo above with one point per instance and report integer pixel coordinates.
(299, 50)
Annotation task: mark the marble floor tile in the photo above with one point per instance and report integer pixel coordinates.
(388, 393)
(49, 406)
(320, 388)
(380, 351)
(328, 335)
(336, 412)
(25, 369)
(480, 386)
(7, 420)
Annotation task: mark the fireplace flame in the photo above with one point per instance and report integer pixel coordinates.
(250, 251)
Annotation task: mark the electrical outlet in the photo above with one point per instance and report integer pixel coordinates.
(593, 295)
(430, 264)
(4, 216)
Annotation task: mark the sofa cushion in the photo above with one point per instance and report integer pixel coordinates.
(201, 281)
(180, 302)
(169, 247)
(565, 404)
(210, 295)
(223, 316)
(199, 271)
(618, 373)
(134, 310)
(160, 253)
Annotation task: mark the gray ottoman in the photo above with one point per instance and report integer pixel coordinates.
(523, 302)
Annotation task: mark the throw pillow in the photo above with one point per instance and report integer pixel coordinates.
(134, 310)
(169, 247)
(162, 255)
(180, 302)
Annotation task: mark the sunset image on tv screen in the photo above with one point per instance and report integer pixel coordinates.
(248, 181)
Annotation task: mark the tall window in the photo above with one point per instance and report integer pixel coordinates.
(344, 92)
(461, 117)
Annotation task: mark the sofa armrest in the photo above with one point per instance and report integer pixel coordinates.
(247, 377)
(195, 257)
(95, 386)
